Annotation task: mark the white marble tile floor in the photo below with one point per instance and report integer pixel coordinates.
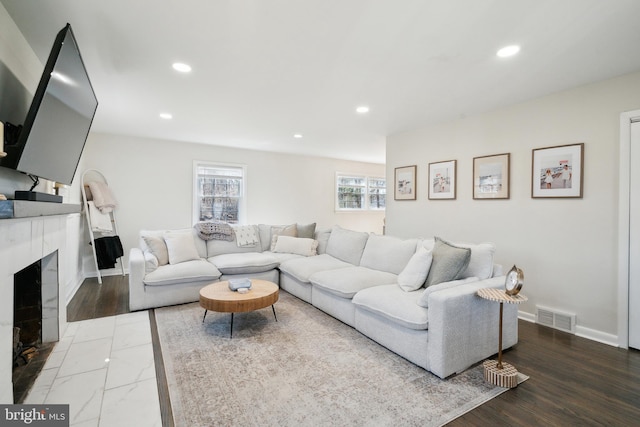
(104, 369)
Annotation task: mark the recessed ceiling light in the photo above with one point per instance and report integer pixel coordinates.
(297, 135)
(363, 109)
(507, 51)
(183, 68)
(166, 116)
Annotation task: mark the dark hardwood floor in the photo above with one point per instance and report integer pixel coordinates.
(573, 380)
(93, 300)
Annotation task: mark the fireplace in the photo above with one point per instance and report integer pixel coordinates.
(35, 307)
(53, 242)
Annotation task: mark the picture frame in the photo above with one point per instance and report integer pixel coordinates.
(491, 175)
(442, 180)
(405, 183)
(557, 172)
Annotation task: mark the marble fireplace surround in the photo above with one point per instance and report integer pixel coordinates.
(24, 241)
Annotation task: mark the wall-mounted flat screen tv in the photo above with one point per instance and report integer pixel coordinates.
(51, 140)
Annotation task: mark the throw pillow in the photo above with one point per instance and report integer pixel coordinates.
(347, 245)
(449, 262)
(158, 248)
(307, 231)
(296, 245)
(481, 261)
(288, 230)
(415, 272)
(180, 247)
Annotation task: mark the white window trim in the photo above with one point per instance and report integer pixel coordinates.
(367, 207)
(242, 210)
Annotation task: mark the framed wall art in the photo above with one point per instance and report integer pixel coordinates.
(557, 171)
(442, 180)
(491, 177)
(405, 183)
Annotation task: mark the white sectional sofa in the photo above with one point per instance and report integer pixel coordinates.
(376, 284)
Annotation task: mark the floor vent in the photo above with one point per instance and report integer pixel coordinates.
(555, 319)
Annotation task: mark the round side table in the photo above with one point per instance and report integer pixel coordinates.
(496, 372)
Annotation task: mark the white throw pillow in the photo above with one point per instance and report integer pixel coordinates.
(415, 272)
(285, 230)
(296, 245)
(180, 247)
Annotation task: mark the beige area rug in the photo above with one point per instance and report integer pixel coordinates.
(305, 369)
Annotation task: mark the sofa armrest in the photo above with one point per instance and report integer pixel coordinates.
(136, 277)
(463, 328)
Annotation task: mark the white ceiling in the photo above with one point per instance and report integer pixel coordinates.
(266, 69)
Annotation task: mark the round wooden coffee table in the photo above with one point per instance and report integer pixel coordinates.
(218, 297)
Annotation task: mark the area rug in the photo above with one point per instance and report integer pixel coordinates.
(306, 369)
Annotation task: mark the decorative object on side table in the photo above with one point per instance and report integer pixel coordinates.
(240, 285)
(496, 372)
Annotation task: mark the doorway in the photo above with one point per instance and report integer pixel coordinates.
(629, 232)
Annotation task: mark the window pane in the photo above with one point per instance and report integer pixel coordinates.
(351, 192)
(377, 193)
(220, 193)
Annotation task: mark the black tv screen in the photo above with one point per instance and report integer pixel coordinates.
(56, 127)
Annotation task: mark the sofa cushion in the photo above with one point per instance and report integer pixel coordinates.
(395, 305)
(184, 272)
(481, 261)
(180, 247)
(303, 268)
(347, 245)
(244, 263)
(413, 276)
(387, 253)
(449, 262)
(322, 236)
(345, 282)
(282, 257)
(150, 262)
(219, 247)
(296, 245)
(423, 301)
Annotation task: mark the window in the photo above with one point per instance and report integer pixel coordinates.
(219, 192)
(360, 192)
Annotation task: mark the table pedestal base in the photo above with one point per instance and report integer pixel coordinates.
(506, 377)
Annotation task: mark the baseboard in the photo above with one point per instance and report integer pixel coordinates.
(78, 282)
(599, 336)
(581, 331)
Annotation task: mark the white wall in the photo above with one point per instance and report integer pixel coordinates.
(566, 247)
(153, 180)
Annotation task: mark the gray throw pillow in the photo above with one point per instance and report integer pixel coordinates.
(307, 231)
(449, 262)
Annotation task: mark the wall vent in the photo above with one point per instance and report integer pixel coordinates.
(556, 319)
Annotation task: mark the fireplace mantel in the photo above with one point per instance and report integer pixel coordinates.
(24, 241)
(28, 209)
